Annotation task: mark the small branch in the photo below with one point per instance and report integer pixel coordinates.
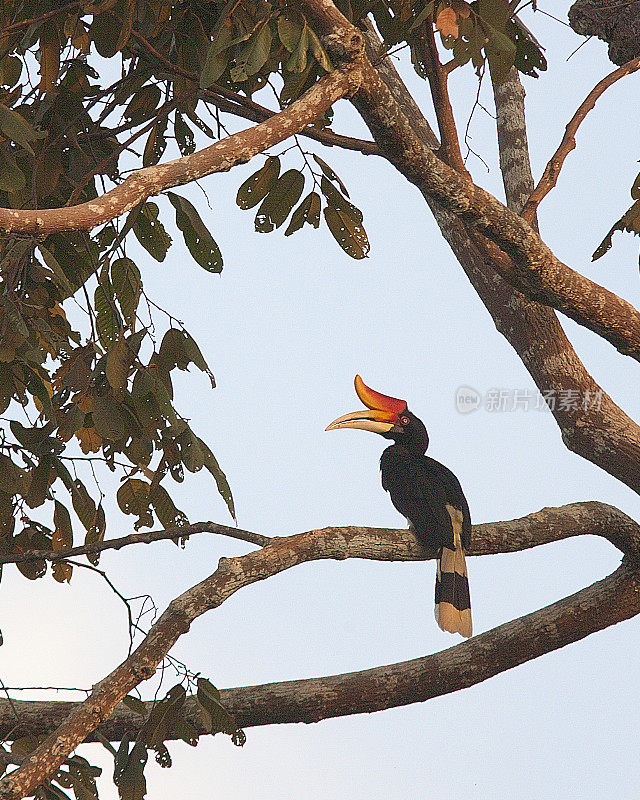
(552, 171)
(437, 76)
(135, 538)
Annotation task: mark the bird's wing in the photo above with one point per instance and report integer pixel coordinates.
(420, 493)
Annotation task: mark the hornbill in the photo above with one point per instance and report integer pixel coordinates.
(425, 492)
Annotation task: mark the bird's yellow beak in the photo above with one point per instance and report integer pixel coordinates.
(372, 420)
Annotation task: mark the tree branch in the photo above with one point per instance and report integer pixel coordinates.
(532, 268)
(511, 127)
(135, 538)
(552, 171)
(594, 608)
(219, 157)
(438, 83)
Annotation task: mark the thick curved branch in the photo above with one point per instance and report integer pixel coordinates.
(532, 268)
(219, 157)
(552, 171)
(605, 603)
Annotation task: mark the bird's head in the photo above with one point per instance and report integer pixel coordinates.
(387, 416)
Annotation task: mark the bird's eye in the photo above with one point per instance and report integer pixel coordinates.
(404, 420)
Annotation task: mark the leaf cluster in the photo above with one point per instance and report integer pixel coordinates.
(278, 193)
(480, 32)
(166, 720)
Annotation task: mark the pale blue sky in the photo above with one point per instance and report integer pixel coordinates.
(285, 329)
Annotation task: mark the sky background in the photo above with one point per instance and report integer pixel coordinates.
(285, 329)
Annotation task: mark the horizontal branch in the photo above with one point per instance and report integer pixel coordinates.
(552, 171)
(592, 609)
(135, 538)
(219, 157)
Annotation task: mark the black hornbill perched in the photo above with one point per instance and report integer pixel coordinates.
(425, 492)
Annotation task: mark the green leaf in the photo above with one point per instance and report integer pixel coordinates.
(133, 499)
(108, 419)
(14, 316)
(258, 185)
(127, 285)
(201, 244)
(179, 349)
(150, 232)
(16, 128)
(219, 719)
(60, 278)
(63, 533)
(156, 143)
(331, 175)
(217, 59)
(168, 515)
(211, 464)
(308, 211)
(298, 60)
(128, 773)
(135, 704)
(12, 178)
(119, 358)
(13, 479)
(184, 135)
(334, 198)
(163, 716)
(143, 104)
(40, 479)
(347, 231)
(257, 50)
(10, 70)
(83, 505)
(501, 54)
(290, 26)
(277, 205)
(629, 221)
(108, 321)
(529, 51)
(318, 51)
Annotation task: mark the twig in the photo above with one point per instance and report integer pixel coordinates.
(135, 538)
(437, 76)
(568, 143)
